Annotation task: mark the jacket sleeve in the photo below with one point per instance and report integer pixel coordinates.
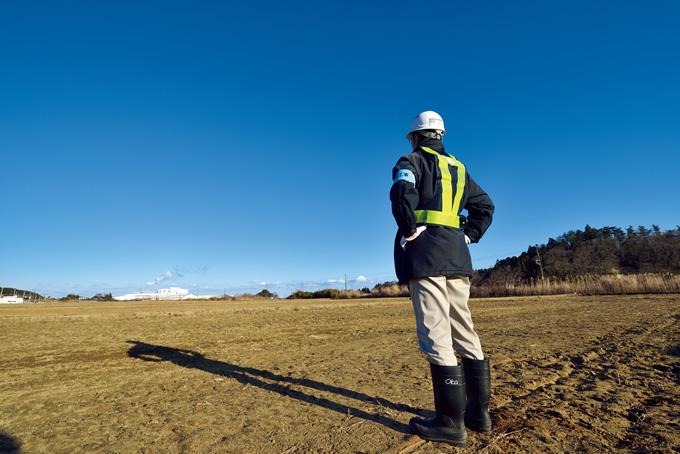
(480, 211)
(404, 196)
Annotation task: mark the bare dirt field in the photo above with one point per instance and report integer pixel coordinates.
(569, 374)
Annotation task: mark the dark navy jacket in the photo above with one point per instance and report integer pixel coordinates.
(440, 250)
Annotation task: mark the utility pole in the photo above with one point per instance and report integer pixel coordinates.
(345, 282)
(538, 261)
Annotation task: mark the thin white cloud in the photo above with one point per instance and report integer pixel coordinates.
(163, 277)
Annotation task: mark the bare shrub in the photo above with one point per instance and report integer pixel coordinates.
(390, 290)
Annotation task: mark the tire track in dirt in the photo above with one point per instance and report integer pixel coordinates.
(610, 396)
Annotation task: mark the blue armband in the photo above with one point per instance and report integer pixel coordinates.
(405, 175)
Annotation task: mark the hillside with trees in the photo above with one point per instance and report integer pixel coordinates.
(591, 251)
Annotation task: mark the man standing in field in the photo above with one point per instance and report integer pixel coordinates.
(431, 188)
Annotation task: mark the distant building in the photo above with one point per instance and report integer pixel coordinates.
(172, 293)
(6, 299)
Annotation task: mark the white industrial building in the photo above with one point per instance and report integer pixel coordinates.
(172, 293)
(6, 299)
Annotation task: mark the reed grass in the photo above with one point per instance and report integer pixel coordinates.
(585, 285)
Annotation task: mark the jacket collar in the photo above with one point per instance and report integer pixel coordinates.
(432, 143)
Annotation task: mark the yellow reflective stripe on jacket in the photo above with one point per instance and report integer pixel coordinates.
(450, 202)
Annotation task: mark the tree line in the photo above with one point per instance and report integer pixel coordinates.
(567, 264)
(570, 257)
(591, 251)
(385, 289)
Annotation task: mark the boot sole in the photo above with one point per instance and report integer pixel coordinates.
(476, 428)
(456, 443)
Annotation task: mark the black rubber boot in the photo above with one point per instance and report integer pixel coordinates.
(448, 424)
(478, 383)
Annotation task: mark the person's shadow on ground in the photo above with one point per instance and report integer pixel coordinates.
(276, 383)
(8, 445)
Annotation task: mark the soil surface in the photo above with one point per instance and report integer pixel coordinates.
(569, 374)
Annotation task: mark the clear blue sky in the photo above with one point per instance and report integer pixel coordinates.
(220, 145)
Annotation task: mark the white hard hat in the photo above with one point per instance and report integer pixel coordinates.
(427, 120)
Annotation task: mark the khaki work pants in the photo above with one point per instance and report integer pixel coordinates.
(443, 319)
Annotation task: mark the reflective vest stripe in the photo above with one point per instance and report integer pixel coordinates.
(450, 203)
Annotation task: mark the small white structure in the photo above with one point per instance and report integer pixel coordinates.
(172, 293)
(11, 300)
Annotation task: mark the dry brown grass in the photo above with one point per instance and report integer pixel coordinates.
(585, 285)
